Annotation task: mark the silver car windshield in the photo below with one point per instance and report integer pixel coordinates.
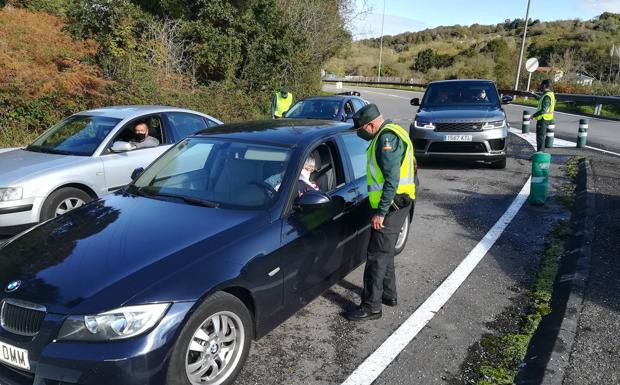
(216, 173)
(464, 93)
(77, 135)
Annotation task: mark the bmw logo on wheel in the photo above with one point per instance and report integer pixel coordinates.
(11, 287)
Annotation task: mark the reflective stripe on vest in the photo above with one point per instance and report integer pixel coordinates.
(374, 175)
(282, 104)
(549, 114)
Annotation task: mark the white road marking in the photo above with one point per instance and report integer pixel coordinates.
(378, 361)
(378, 93)
(531, 138)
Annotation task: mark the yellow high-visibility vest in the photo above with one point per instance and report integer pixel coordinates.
(374, 175)
(282, 104)
(549, 114)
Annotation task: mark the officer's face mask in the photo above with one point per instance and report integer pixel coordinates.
(139, 137)
(362, 133)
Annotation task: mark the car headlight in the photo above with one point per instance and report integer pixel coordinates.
(121, 323)
(419, 124)
(492, 125)
(11, 194)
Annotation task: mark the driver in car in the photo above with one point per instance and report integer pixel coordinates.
(304, 183)
(141, 138)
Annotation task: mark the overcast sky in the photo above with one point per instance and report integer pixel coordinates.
(414, 15)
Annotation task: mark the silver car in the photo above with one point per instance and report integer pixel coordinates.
(83, 157)
(461, 119)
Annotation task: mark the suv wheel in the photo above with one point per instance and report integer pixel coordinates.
(214, 344)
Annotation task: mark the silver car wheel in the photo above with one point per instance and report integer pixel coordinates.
(215, 349)
(68, 205)
(402, 236)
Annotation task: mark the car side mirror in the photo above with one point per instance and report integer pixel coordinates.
(506, 99)
(415, 102)
(312, 200)
(121, 146)
(347, 117)
(136, 173)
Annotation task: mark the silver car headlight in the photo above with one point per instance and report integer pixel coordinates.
(428, 125)
(11, 194)
(121, 323)
(493, 125)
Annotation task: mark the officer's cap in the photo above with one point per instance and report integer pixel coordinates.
(365, 115)
(284, 89)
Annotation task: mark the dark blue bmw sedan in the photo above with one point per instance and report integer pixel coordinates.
(168, 280)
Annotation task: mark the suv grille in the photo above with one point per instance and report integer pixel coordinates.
(463, 147)
(21, 317)
(462, 127)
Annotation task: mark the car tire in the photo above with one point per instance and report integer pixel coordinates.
(403, 236)
(63, 200)
(227, 349)
(500, 164)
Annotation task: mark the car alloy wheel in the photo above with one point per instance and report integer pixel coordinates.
(215, 349)
(402, 236)
(68, 205)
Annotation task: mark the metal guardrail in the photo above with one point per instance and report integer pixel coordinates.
(598, 101)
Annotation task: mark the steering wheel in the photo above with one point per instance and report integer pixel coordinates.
(269, 190)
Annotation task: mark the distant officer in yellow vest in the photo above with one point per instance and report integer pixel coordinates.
(281, 102)
(391, 192)
(544, 114)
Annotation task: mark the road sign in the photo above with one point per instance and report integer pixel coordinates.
(531, 64)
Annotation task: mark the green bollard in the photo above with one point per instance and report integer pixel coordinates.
(541, 162)
(582, 137)
(550, 134)
(525, 127)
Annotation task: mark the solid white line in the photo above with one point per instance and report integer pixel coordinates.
(378, 93)
(531, 138)
(378, 361)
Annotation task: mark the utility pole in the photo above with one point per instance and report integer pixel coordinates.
(527, 18)
(381, 45)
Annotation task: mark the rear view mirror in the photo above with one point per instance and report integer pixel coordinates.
(136, 173)
(415, 102)
(506, 99)
(121, 146)
(312, 200)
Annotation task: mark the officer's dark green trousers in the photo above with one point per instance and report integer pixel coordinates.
(541, 134)
(379, 275)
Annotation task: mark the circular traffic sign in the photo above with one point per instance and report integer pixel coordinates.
(531, 64)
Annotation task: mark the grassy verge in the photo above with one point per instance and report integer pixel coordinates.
(608, 111)
(498, 357)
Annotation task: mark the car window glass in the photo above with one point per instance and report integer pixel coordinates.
(358, 104)
(155, 128)
(461, 93)
(348, 107)
(315, 109)
(356, 150)
(76, 135)
(183, 124)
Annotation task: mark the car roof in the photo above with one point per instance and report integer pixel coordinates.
(124, 112)
(461, 81)
(288, 132)
(331, 97)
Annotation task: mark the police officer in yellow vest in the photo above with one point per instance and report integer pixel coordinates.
(281, 102)
(544, 114)
(391, 191)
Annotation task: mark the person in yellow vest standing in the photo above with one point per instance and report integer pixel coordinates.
(281, 102)
(391, 192)
(544, 114)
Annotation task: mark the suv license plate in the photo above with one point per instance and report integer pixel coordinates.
(457, 138)
(14, 356)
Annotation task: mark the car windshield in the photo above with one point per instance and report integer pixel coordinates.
(315, 109)
(483, 94)
(216, 173)
(76, 135)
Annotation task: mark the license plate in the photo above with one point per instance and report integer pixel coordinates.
(14, 356)
(457, 138)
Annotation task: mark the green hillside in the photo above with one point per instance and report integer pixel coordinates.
(491, 51)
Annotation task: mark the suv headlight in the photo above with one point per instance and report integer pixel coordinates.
(121, 323)
(11, 194)
(420, 124)
(492, 125)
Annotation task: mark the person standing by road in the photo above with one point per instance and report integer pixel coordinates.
(544, 114)
(391, 190)
(281, 103)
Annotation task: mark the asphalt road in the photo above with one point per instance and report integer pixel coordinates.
(456, 206)
(602, 133)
